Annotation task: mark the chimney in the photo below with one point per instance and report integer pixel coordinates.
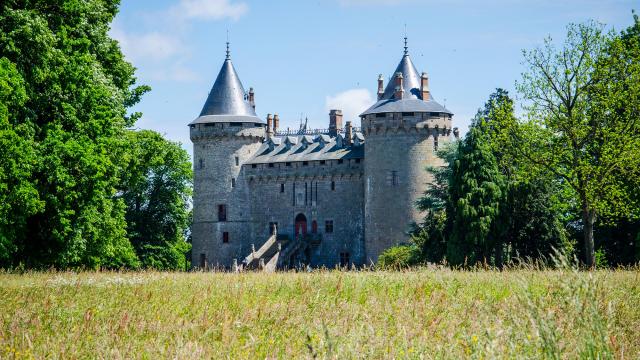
(252, 98)
(348, 133)
(269, 125)
(276, 123)
(335, 122)
(424, 87)
(380, 86)
(399, 87)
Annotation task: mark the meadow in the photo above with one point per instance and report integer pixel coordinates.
(423, 313)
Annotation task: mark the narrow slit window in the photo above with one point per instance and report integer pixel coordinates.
(225, 237)
(222, 212)
(328, 226)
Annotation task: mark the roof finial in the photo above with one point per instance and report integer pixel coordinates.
(228, 53)
(406, 48)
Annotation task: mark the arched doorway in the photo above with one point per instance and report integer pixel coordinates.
(301, 225)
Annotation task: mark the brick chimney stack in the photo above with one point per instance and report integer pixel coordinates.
(348, 136)
(276, 123)
(424, 87)
(335, 122)
(380, 86)
(399, 87)
(269, 125)
(252, 98)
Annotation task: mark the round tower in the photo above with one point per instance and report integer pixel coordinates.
(225, 135)
(402, 130)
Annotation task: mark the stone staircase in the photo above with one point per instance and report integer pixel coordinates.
(275, 253)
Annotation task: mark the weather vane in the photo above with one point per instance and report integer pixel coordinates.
(406, 48)
(228, 55)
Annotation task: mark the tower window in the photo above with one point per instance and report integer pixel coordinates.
(201, 163)
(322, 162)
(393, 179)
(357, 161)
(237, 161)
(203, 261)
(344, 259)
(328, 226)
(305, 163)
(271, 165)
(222, 212)
(288, 163)
(282, 187)
(225, 237)
(408, 114)
(333, 186)
(340, 161)
(253, 166)
(381, 115)
(233, 182)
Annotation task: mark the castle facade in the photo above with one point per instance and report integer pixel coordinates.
(266, 198)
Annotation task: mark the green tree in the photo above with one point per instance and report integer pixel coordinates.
(583, 120)
(73, 115)
(156, 188)
(476, 193)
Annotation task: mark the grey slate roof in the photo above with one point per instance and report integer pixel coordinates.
(292, 148)
(408, 105)
(227, 100)
(412, 100)
(410, 81)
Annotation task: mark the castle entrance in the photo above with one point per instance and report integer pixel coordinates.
(301, 226)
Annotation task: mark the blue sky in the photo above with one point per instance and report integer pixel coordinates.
(306, 57)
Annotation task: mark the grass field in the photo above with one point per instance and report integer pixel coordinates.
(428, 313)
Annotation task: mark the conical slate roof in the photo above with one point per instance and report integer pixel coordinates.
(410, 81)
(412, 99)
(227, 100)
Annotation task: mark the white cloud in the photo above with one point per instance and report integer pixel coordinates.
(352, 103)
(210, 9)
(152, 46)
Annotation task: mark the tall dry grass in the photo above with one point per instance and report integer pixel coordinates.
(423, 313)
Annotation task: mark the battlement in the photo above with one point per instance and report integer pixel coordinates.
(290, 132)
(226, 129)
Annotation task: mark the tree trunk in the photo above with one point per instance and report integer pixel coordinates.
(588, 218)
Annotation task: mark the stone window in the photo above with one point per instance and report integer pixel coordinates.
(381, 115)
(225, 237)
(201, 163)
(305, 163)
(393, 179)
(282, 187)
(314, 227)
(203, 261)
(233, 182)
(344, 259)
(222, 212)
(253, 166)
(237, 161)
(435, 143)
(322, 162)
(408, 114)
(340, 161)
(288, 163)
(357, 161)
(271, 165)
(333, 186)
(328, 226)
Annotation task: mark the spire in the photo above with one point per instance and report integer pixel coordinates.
(227, 96)
(406, 48)
(228, 53)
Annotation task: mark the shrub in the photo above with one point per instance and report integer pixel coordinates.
(399, 257)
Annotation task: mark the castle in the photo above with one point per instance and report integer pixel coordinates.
(266, 198)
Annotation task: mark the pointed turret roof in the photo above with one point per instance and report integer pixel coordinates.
(410, 80)
(412, 100)
(227, 100)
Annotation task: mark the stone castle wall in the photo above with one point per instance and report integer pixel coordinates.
(398, 150)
